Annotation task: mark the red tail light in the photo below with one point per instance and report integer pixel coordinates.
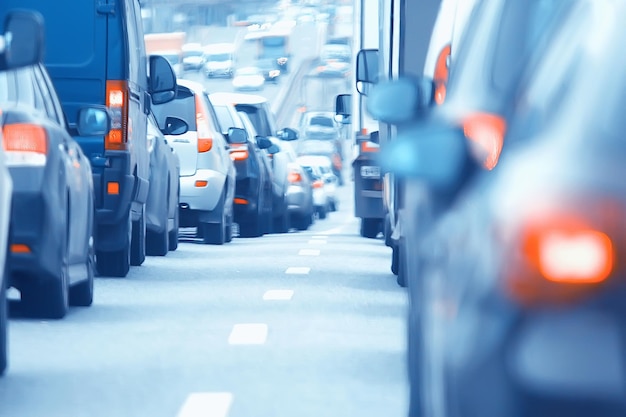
(117, 102)
(205, 141)
(239, 152)
(26, 144)
(367, 146)
(487, 131)
(317, 184)
(442, 70)
(560, 257)
(294, 177)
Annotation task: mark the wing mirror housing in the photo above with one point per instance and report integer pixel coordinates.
(343, 108)
(366, 70)
(237, 135)
(400, 101)
(287, 134)
(162, 83)
(22, 42)
(263, 142)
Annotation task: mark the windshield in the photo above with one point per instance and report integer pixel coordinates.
(219, 57)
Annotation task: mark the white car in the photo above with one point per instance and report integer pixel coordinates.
(324, 191)
(219, 60)
(248, 78)
(207, 172)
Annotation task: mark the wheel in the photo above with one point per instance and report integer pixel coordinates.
(401, 264)
(116, 263)
(4, 312)
(173, 234)
(302, 221)
(281, 223)
(395, 260)
(321, 212)
(50, 298)
(334, 205)
(370, 228)
(81, 294)
(387, 230)
(157, 243)
(213, 233)
(138, 239)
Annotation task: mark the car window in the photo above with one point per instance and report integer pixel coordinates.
(258, 119)
(224, 118)
(183, 107)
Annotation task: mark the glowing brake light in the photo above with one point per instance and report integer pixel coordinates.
(205, 141)
(25, 144)
(487, 131)
(367, 146)
(562, 258)
(294, 177)
(239, 152)
(318, 184)
(442, 70)
(117, 102)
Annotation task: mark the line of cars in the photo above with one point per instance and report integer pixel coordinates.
(515, 205)
(95, 176)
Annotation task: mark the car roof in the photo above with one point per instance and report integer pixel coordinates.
(194, 86)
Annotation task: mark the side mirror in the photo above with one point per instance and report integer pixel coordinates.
(237, 135)
(263, 142)
(175, 126)
(343, 108)
(93, 121)
(366, 70)
(437, 153)
(162, 84)
(401, 100)
(287, 134)
(22, 42)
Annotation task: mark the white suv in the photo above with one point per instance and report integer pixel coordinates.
(207, 173)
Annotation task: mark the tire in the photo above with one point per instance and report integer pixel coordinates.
(387, 230)
(116, 263)
(302, 221)
(173, 234)
(401, 279)
(370, 228)
(4, 323)
(395, 261)
(138, 239)
(213, 233)
(281, 223)
(321, 212)
(81, 294)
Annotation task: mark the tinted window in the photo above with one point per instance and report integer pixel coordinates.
(224, 118)
(183, 107)
(258, 118)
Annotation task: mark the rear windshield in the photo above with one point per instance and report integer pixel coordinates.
(258, 118)
(183, 107)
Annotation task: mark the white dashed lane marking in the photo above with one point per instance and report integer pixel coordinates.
(278, 295)
(206, 404)
(298, 270)
(248, 334)
(309, 252)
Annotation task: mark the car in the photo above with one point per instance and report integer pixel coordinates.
(193, 57)
(108, 66)
(321, 200)
(219, 60)
(321, 166)
(207, 172)
(254, 186)
(299, 195)
(248, 79)
(270, 70)
(25, 49)
(317, 140)
(527, 290)
(264, 121)
(51, 251)
(481, 115)
(335, 61)
(162, 215)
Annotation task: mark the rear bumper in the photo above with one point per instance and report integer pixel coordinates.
(202, 198)
(298, 200)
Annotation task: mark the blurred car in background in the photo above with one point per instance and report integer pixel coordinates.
(258, 110)
(219, 60)
(317, 140)
(254, 188)
(248, 79)
(321, 201)
(162, 216)
(270, 70)
(193, 57)
(321, 166)
(335, 60)
(299, 195)
(516, 283)
(51, 252)
(207, 173)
